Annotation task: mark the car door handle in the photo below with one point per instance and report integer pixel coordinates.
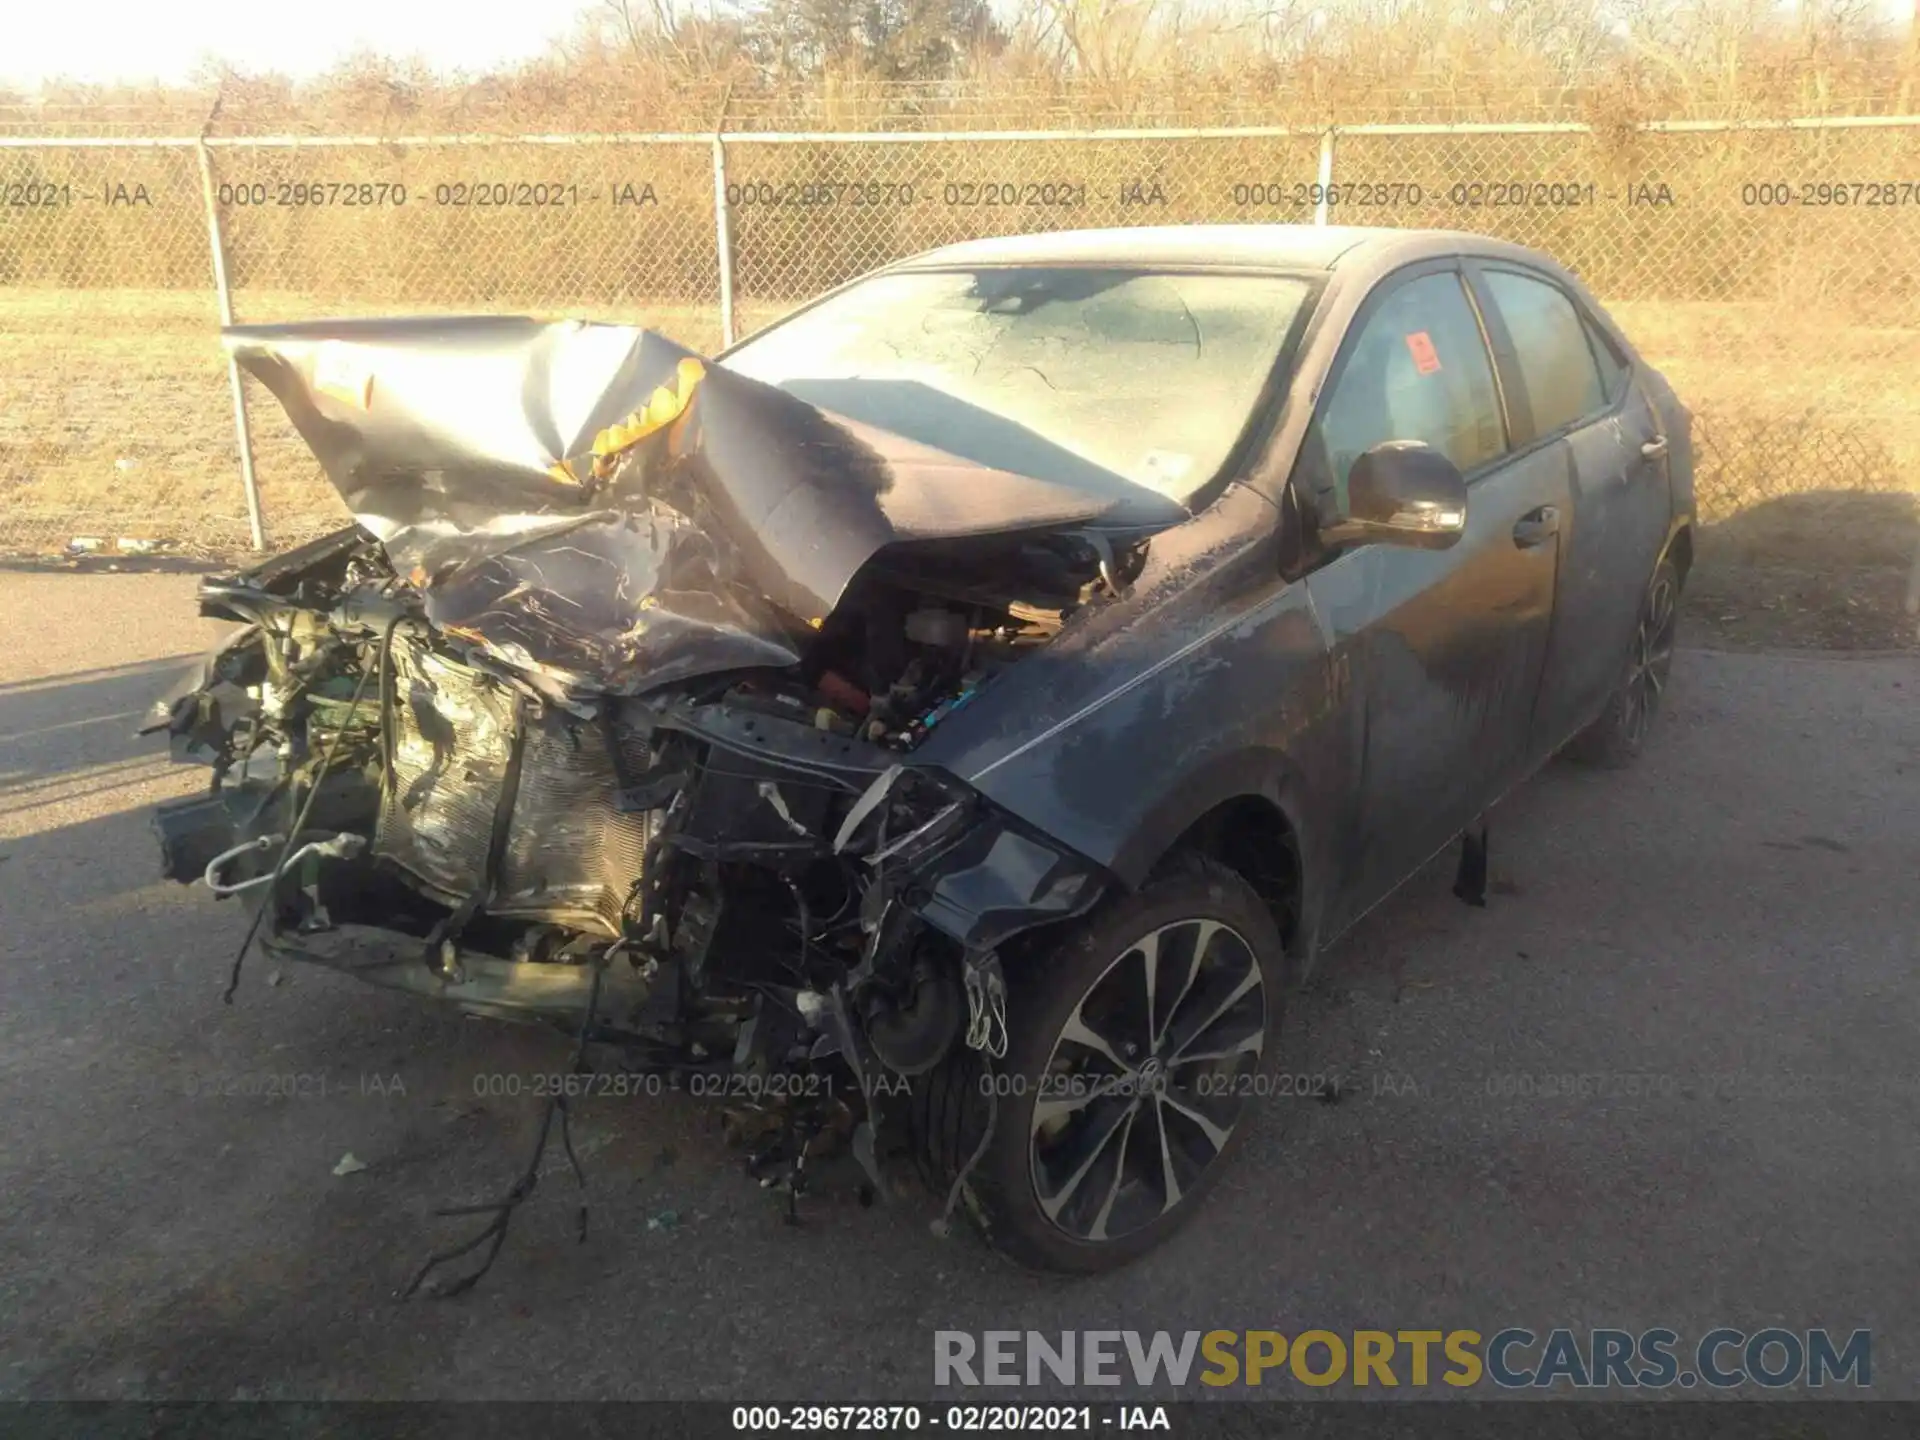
(1536, 527)
(1654, 448)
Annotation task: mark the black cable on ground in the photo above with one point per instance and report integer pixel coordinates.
(503, 1210)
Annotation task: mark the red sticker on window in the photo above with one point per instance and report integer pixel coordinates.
(1420, 346)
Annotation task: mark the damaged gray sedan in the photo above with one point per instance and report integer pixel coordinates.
(956, 714)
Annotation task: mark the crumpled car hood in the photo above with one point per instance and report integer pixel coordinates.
(600, 507)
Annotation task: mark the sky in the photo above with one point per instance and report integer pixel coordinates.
(129, 41)
(106, 41)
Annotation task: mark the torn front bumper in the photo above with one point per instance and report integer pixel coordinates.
(939, 856)
(477, 983)
(510, 850)
(968, 869)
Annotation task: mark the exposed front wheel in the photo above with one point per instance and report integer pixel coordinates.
(1129, 1077)
(1617, 737)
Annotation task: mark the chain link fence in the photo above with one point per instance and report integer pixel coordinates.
(1769, 270)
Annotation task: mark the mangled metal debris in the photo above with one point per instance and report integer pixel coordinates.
(597, 713)
(600, 509)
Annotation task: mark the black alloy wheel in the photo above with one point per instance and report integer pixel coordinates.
(1617, 737)
(1133, 1065)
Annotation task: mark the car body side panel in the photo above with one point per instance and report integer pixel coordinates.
(1210, 679)
(1615, 507)
(1618, 527)
(1446, 650)
(1122, 796)
(1676, 423)
(1446, 647)
(1514, 592)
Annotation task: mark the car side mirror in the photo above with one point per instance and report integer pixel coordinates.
(1402, 492)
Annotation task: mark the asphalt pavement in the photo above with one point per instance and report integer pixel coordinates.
(1667, 1078)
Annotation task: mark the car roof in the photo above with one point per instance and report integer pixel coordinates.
(1259, 247)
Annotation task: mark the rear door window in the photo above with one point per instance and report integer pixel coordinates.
(1418, 370)
(1614, 371)
(1550, 340)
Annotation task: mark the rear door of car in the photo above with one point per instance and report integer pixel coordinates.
(1446, 647)
(1571, 389)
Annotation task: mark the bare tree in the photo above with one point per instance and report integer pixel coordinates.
(697, 36)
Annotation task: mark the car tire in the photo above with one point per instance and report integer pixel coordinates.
(1617, 737)
(1112, 1166)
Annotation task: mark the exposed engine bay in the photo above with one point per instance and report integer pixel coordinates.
(430, 774)
(727, 839)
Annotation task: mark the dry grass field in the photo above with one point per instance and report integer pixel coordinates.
(116, 417)
(114, 404)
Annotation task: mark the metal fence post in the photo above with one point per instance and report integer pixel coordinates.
(247, 480)
(1326, 175)
(723, 239)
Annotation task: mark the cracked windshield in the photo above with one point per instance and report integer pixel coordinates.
(1057, 373)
